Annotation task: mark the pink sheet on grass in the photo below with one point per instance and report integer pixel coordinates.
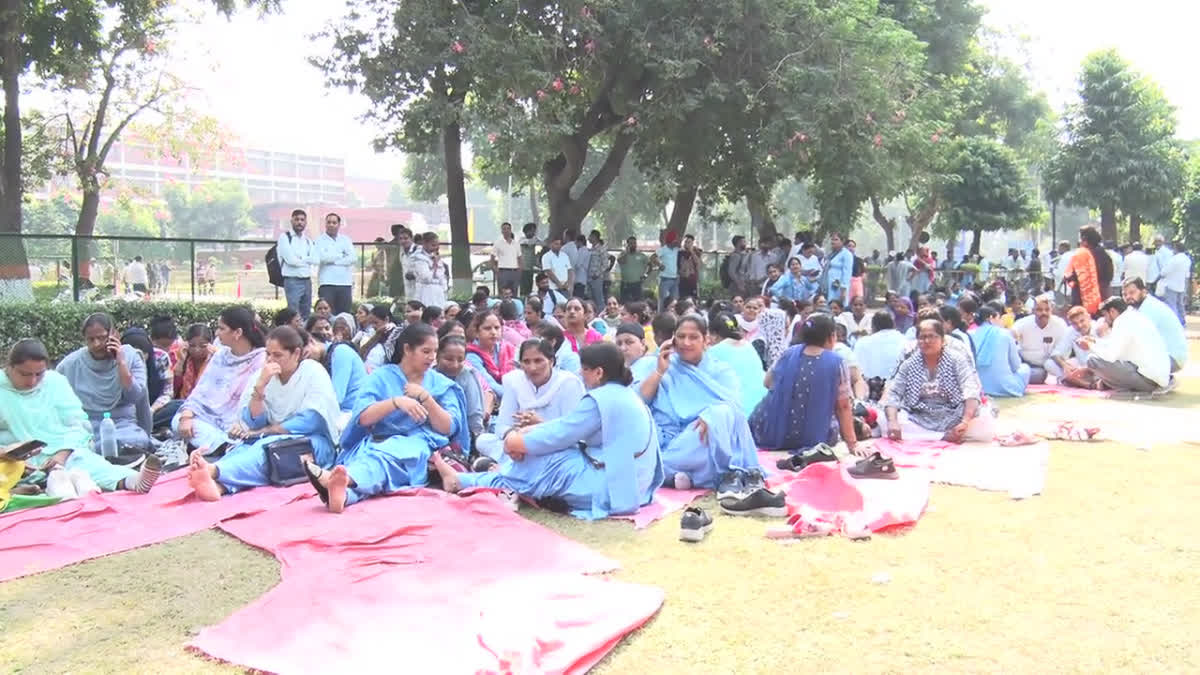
(666, 501)
(37, 540)
(1069, 392)
(824, 494)
(1018, 470)
(423, 581)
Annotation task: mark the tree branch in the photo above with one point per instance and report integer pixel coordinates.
(608, 171)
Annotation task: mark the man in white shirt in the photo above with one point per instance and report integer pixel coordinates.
(1118, 263)
(1133, 357)
(550, 297)
(335, 257)
(580, 260)
(1068, 358)
(296, 258)
(1158, 264)
(136, 277)
(506, 258)
(1174, 281)
(557, 265)
(1166, 323)
(1060, 271)
(856, 320)
(429, 272)
(1036, 336)
(1137, 263)
(879, 352)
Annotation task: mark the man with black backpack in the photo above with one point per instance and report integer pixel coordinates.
(296, 258)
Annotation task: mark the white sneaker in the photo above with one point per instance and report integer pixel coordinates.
(83, 483)
(58, 484)
(510, 499)
(173, 453)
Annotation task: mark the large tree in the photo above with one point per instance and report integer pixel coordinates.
(1120, 151)
(987, 190)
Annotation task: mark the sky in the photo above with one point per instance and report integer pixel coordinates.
(253, 73)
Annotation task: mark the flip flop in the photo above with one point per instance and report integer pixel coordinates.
(314, 479)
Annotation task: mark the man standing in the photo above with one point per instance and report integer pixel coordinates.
(401, 284)
(1036, 336)
(557, 266)
(580, 260)
(529, 261)
(1136, 295)
(1061, 294)
(429, 274)
(668, 263)
(506, 258)
(1137, 264)
(633, 265)
(137, 277)
(335, 255)
(1158, 264)
(737, 267)
(760, 260)
(1133, 357)
(1118, 264)
(689, 268)
(598, 266)
(1174, 280)
(296, 258)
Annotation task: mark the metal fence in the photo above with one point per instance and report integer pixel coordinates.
(66, 268)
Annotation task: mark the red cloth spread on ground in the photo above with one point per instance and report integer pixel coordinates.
(824, 494)
(1063, 390)
(423, 581)
(666, 501)
(37, 540)
(1017, 470)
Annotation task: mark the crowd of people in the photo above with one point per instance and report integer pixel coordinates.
(559, 393)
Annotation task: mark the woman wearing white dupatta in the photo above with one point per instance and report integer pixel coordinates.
(290, 396)
(536, 392)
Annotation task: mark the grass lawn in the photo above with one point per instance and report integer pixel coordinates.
(1096, 575)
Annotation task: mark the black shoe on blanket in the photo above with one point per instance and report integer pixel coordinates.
(694, 524)
(875, 466)
(819, 453)
(732, 485)
(761, 502)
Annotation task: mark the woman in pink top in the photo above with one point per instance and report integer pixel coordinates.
(575, 326)
(514, 329)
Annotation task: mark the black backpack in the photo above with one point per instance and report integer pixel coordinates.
(274, 270)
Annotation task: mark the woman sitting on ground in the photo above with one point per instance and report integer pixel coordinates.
(362, 317)
(346, 371)
(631, 340)
(160, 377)
(601, 459)
(290, 397)
(533, 313)
(858, 384)
(998, 361)
(565, 358)
(322, 308)
(215, 404)
(576, 328)
(489, 355)
(406, 411)
(638, 312)
(956, 328)
(110, 379)
(193, 359)
(319, 327)
(697, 405)
(514, 330)
(741, 356)
(377, 349)
(39, 404)
(935, 394)
(774, 335)
(452, 362)
(810, 397)
(612, 312)
(748, 319)
(795, 285)
(537, 392)
(345, 328)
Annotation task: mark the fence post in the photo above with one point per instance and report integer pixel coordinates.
(192, 268)
(75, 267)
(362, 271)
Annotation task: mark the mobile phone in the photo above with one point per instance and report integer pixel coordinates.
(20, 452)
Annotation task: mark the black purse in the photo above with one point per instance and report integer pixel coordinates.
(285, 461)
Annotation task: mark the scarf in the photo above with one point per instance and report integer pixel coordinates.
(986, 337)
(773, 327)
(588, 338)
(912, 375)
(903, 322)
(1085, 282)
(191, 372)
(96, 382)
(505, 353)
(309, 388)
(529, 397)
(50, 412)
(350, 321)
(388, 381)
(217, 396)
(515, 332)
(749, 328)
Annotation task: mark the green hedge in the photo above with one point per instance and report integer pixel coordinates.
(58, 324)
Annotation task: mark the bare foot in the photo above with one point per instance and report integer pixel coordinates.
(337, 484)
(200, 478)
(449, 475)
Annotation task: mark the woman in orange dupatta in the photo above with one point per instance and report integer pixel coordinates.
(1090, 271)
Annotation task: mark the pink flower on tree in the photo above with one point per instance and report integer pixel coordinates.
(708, 41)
(491, 137)
(935, 137)
(631, 121)
(585, 12)
(589, 46)
(575, 90)
(457, 47)
(878, 140)
(541, 95)
(557, 84)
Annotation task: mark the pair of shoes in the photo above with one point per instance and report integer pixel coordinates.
(173, 454)
(694, 524)
(760, 502)
(737, 484)
(819, 453)
(875, 466)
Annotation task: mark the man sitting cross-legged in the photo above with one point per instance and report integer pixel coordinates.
(1068, 358)
(1036, 336)
(1133, 357)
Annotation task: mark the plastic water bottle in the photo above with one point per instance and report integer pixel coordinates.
(108, 436)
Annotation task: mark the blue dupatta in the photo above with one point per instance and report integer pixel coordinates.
(985, 340)
(389, 381)
(627, 430)
(686, 390)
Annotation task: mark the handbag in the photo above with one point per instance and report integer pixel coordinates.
(285, 461)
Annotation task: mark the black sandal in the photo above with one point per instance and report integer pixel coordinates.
(315, 480)
(875, 466)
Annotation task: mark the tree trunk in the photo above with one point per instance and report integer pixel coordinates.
(920, 220)
(887, 224)
(685, 200)
(975, 241)
(760, 219)
(14, 265)
(533, 205)
(456, 202)
(1108, 223)
(560, 174)
(1135, 227)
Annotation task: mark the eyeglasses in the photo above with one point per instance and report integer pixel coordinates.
(929, 337)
